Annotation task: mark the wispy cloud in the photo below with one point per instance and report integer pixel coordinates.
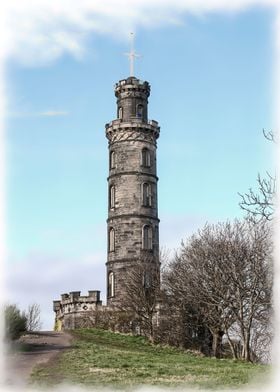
(175, 228)
(42, 277)
(53, 113)
(46, 113)
(40, 32)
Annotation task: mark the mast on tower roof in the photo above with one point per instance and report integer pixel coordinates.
(132, 55)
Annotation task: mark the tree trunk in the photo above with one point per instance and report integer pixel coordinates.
(217, 344)
(233, 350)
(246, 347)
(151, 330)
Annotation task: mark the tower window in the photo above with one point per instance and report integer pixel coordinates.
(147, 279)
(147, 195)
(112, 196)
(120, 113)
(111, 284)
(111, 240)
(112, 159)
(147, 237)
(145, 158)
(156, 236)
(139, 111)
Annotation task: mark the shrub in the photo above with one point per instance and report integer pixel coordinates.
(15, 322)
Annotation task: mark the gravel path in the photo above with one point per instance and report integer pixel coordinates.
(39, 347)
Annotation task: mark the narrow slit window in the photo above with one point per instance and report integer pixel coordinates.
(147, 195)
(147, 238)
(147, 279)
(146, 158)
(111, 284)
(112, 159)
(120, 113)
(139, 111)
(111, 240)
(112, 196)
(156, 236)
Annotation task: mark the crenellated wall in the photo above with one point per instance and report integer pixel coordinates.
(76, 311)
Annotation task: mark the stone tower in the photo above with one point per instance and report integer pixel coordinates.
(133, 234)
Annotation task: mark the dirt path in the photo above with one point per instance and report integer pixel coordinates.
(36, 348)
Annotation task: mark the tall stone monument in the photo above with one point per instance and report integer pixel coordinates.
(133, 224)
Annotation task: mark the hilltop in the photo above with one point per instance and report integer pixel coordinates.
(99, 357)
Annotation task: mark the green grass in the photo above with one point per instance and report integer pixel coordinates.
(100, 357)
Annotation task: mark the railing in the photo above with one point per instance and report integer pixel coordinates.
(135, 82)
(134, 120)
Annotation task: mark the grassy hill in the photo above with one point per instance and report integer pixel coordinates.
(100, 357)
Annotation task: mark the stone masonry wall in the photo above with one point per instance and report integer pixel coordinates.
(75, 311)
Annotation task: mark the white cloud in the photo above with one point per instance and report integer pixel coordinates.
(53, 113)
(175, 228)
(38, 32)
(46, 113)
(42, 278)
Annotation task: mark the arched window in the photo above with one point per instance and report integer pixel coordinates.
(146, 158)
(112, 159)
(139, 111)
(120, 113)
(147, 237)
(112, 196)
(147, 279)
(111, 240)
(147, 194)
(111, 284)
(156, 236)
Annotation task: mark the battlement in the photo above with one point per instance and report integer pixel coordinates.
(132, 84)
(72, 308)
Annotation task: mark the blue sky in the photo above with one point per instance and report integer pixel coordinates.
(212, 89)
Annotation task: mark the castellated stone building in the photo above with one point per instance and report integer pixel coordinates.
(132, 224)
(75, 311)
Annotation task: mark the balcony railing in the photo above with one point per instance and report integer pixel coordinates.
(134, 120)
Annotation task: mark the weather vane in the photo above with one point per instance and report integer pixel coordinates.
(132, 55)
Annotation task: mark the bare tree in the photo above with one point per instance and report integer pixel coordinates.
(250, 275)
(142, 293)
(202, 264)
(262, 337)
(182, 323)
(259, 204)
(270, 136)
(33, 317)
(223, 272)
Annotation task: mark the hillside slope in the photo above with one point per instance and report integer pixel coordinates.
(100, 357)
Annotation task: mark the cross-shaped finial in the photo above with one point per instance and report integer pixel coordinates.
(132, 55)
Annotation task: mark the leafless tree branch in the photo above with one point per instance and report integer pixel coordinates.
(33, 317)
(259, 203)
(223, 273)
